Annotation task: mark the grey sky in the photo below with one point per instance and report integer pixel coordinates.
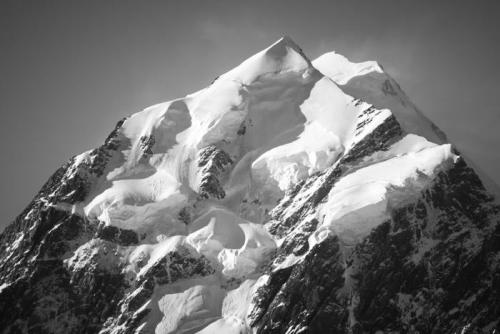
(70, 70)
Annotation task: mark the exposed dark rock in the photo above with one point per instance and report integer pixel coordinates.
(296, 242)
(380, 139)
(242, 129)
(50, 298)
(308, 298)
(431, 268)
(212, 162)
(41, 294)
(179, 264)
(146, 144)
(174, 266)
(117, 235)
(450, 285)
(185, 215)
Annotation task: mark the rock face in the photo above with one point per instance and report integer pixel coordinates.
(289, 196)
(212, 162)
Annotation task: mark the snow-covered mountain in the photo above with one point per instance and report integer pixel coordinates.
(289, 196)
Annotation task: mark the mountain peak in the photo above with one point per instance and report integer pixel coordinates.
(217, 212)
(282, 56)
(284, 44)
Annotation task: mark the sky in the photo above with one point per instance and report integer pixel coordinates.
(69, 70)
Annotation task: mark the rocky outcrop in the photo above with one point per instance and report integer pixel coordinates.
(39, 293)
(431, 268)
(304, 297)
(135, 306)
(212, 162)
(42, 294)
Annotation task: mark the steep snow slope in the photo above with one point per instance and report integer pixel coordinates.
(268, 202)
(368, 81)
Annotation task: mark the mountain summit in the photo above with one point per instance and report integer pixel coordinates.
(289, 196)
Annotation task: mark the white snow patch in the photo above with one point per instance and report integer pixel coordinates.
(358, 202)
(186, 311)
(341, 70)
(238, 245)
(290, 163)
(234, 311)
(3, 286)
(368, 82)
